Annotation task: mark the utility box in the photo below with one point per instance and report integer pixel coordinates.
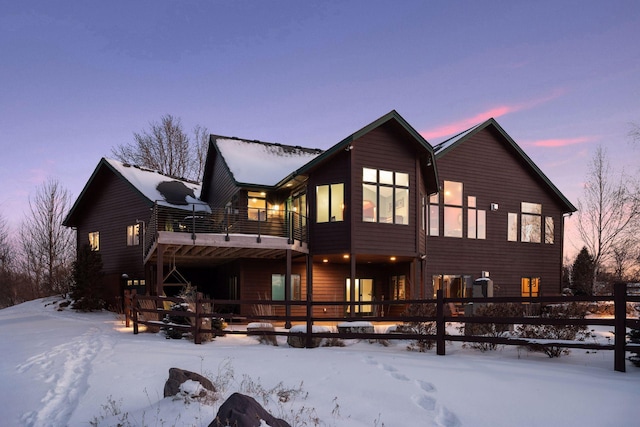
(483, 288)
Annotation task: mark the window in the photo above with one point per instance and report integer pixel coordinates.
(133, 236)
(453, 286)
(452, 209)
(363, 293)
(398, 287)
(434, 216)
(278, 287)
(385, 196)
(530, 222)
(257, 206)
(530, 286)
(329, 203)
(548, 230)
(299, 206)
(476, 220)
(512, 227)
(94, 240)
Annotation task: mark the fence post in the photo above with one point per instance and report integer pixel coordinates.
(197, 324)
(440, 325)
(620, 326)
(127, 308)
(134, 312)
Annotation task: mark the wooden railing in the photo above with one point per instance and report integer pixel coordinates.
(620, 322)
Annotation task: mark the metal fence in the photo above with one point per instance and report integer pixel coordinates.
(201, 218)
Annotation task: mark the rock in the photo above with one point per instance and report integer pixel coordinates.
(356, 327)
(298, 338)
(243, 411)
(178, 376)
(258, 328)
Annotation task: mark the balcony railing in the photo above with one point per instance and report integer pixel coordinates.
(201, 218)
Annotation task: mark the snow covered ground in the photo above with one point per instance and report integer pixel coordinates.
(62, 368)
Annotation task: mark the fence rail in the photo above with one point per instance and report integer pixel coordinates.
(153, 306)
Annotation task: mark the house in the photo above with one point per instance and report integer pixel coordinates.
(113, 211)
(497, 215)
(363, 221)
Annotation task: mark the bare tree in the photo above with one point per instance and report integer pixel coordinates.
(48, 248)
(165, 147)
(609, 212)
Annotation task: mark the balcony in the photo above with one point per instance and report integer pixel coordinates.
(199, 232)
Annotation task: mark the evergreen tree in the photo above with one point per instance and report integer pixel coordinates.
(86, 290)
(582, 273)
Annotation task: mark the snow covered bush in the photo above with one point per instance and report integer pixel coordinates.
(495, 330)
(556, 332)
(419, 327)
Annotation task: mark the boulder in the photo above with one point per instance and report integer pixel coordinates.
(297, 337)
(178, 376)
(356, 327)
(244, 411)
(258, 328)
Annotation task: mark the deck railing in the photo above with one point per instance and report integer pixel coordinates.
(201, 218)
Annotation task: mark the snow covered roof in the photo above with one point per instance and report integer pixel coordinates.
(262, 163)
(157, 187)
(152, 185)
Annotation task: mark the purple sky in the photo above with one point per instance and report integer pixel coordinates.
(76, 79)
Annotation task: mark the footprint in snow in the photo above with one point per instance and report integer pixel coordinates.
(426, 386)
(446, 418)
(389, 368)
(399, 376)
(425, 402)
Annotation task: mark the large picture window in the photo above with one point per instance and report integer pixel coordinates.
(330, 203)
(278, 287)
(385, 196)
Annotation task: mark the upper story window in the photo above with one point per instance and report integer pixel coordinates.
(330, 203)
(133, 235)
(531, 226)
(257, 206)
(476, 220)
(530, 222)
(434, 216)
(94, 240)
(548, 230)
(385, 196)
(452, 209)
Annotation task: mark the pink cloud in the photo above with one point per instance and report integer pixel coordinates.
(461, 125)
(560, 142)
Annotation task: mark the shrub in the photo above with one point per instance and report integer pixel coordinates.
(556, 332)
(422, 328)
(495, 330)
